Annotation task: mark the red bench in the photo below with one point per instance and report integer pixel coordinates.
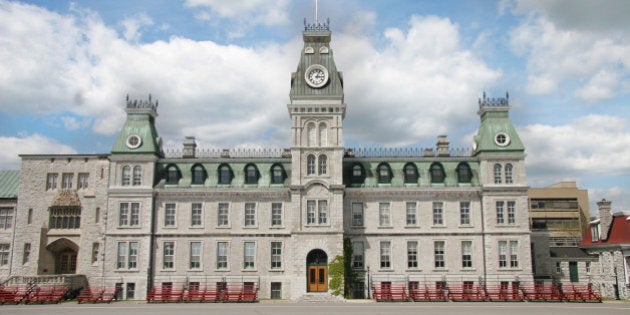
(240, 293)
(13, 294)
(466, 293)
(390, 292)
(47, 294)
(427, 293)
(500, 292)
(542, 292)
(581, 293)
(93, 294)
(165, 294)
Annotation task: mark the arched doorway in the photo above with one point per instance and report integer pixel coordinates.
(317, 271)
(65, 253)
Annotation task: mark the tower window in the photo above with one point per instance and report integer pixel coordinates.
(323, 164)
(508, 174)
(497, 173)
(137, 175)
(310, 165)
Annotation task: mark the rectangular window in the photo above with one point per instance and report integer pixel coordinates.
(6, 218)
(276, 290)
(383, 214)
(195, 214)
(276, 214)
(322, 211)
(123, 215)
(83, 179)
(127, 255)
(466, 254)
(29, 216)
(511, 212)
(357, 255)
(51, 181)
(310, 211)
(249, 255)
(412, 255)
(558, 267)
(500, 213)
(4, 254)
(250, 214)
(276, 255)
(411, 213)
(357, 214)
(438, 254)
(66, 180)
(125, 218)
(514, 254)
(438, 213)
(95, 251)
(502, 254)
(135, 214)
(595, 233)
(464, 213)
(223, 214)
(169, 214)
(588, 267)
(168, 261)
(222, 255)
(195, 255)
(26, 255)
(386, 252)
(97, 215)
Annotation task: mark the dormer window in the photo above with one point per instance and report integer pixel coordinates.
(437, 173)
(384, 173)
(225, 175)
(411, 174)
(464, 175)
(251, 174)
(277, 174)
(358, 174)
(595, 233)
(198, 175)
(172, 175)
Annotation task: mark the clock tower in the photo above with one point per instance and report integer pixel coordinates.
(317, 111)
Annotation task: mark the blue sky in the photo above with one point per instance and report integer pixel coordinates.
(412, 70)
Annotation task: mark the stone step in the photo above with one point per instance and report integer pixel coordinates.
(322, 297)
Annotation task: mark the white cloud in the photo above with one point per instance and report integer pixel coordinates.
(573, 41)
(242, 14)
(594, 145)
(28, 144)
(422, 72)
(132, 26)
(620, 198)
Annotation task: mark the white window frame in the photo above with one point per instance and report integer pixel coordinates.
(384, 214)
(223, 258)
(170, 214)
(249, 215)
(196, 214)
(249, 255)
(500, 212)
(412, 254)
(358, 254)
(357, 214)
(439, 254)
(467, 254)
(385, 250)
(168, 255)
(411, 214)
(223, 214)
(277, 214)
(276, 255)
(464, 213)
(195, 254)
(438, 214)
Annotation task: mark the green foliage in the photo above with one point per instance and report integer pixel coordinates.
(336, 274)
(351, 276)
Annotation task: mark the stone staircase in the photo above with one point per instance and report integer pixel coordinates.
(320, 297)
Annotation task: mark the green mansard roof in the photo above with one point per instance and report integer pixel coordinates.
(141, 123)
(495, 121)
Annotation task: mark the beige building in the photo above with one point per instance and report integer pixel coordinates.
(137, 217)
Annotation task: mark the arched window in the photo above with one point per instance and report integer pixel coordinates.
(323, 164)
(137, 175)
(172, 175)
(411, 173)
(277, 174)
(198, 174)
(323, 135)
(225, 174)
(310, 165)
(311, 134)
(126, 175)
(437, 173)
(464, 175)
(508, 174)
(358, 174)
(384, 173)
(251, 174)
(497, 173)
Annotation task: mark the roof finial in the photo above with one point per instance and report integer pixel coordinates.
(316, 9)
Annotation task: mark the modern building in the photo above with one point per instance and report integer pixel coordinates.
(558, 219)
(137, 217)
(608, 239)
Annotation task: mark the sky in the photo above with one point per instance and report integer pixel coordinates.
(412, 70)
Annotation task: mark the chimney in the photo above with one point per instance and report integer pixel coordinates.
(605, 218)
(190, 147)
(442, 146)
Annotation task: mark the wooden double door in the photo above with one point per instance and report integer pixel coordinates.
(317, 279)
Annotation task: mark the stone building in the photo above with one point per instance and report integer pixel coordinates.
(608, 239)
(9, 182)
(139, 217)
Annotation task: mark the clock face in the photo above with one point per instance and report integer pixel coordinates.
(316, 76)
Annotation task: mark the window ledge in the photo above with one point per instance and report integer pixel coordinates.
(197, 227)
(195, 270)
(358, 227)
(466, 226)
(222, 270)
(249, 270)
(438, 227)
(440, 269)
(413, 270)
(276, 227)
(412, 227)
(250, 227)
(385, 227)
(277, 270)
(168, 270)
(386, 270)
(223, 227)
(468, 270)
(127, 270)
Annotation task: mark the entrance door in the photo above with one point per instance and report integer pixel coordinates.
(317, 279)
(67, 262)
(573, 271)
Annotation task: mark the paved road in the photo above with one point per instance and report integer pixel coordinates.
(351, 308)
